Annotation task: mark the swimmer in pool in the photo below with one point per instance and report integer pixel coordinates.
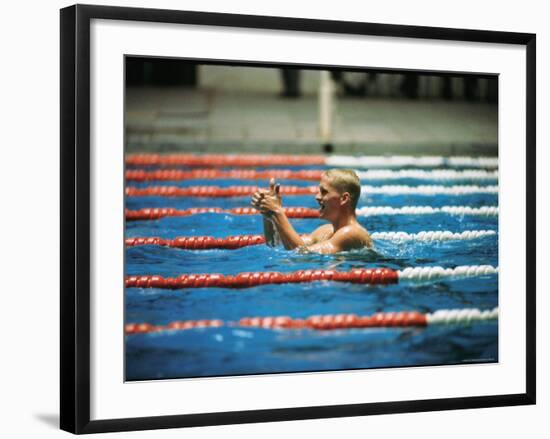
(338, 193)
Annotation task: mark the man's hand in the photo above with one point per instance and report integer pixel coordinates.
(268, 202)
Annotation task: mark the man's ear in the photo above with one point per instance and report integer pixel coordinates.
(345, 197)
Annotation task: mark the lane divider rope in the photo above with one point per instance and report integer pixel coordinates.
(239, 241)
(199, 242)
(450, 316)
(254, 160)
(222, 160)
(246, 280)
(240, 191)
(310, 175)
(329, 322)
(371, 276)
(429, 190)
(427, 210)
(403, 160)
(155, 213)
(436, 174)
(211, 174)
(432, 236)
(422, 274)
(212, 191)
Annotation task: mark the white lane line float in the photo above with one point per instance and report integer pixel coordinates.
(429, 190)
(437, 174)
(433, 236)
(414, 161)
(427, 210)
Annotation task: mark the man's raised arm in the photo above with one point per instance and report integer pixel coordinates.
(271, 234)
(290, 238)
(276, 223)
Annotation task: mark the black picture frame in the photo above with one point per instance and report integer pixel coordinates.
(75, 217)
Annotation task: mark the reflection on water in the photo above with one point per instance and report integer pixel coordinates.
(340, 260)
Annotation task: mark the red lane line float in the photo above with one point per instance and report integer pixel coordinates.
(157, 213)
(211, 191)
(200, 242)
(372, 276)
(222, 160)
(211, 174)
(321, 322)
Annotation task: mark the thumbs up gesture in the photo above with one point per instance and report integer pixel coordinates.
(268, 201)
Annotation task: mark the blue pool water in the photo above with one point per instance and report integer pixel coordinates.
(238, 351)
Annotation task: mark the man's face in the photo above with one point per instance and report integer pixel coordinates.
(329, 199)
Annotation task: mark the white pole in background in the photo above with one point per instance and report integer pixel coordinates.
(326, 107)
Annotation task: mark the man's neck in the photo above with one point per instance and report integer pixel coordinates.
(343, 221)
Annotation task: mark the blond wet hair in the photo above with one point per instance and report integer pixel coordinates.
(345, 180)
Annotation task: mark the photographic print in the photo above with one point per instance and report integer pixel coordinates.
(314, 205)
(297, 218)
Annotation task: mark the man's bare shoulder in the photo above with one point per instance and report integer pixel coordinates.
(322, 233)
(325, 228)
(353, 236)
